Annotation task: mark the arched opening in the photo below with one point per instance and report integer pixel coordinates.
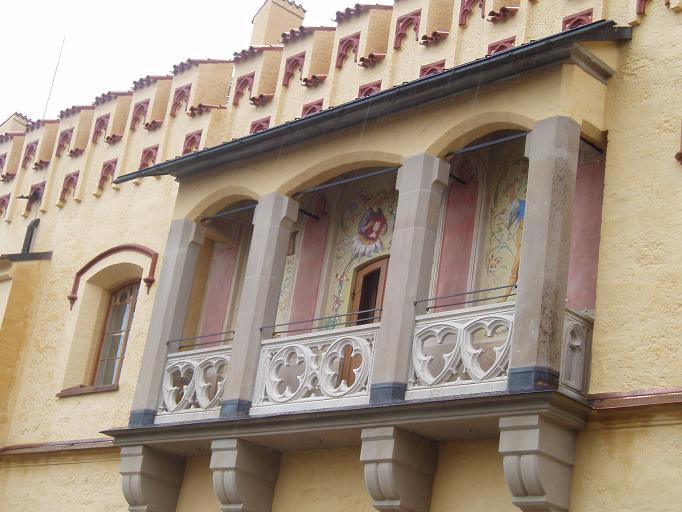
(218, 277)
(482, 221)
(345, 226)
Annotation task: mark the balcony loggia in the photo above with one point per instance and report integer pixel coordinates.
(386, 285)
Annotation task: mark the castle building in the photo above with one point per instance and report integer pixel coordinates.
(423, 260)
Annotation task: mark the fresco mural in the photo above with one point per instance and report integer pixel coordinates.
(364, 231)
(286, 293)
(504, 229)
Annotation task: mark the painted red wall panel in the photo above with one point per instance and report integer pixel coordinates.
(585, 234)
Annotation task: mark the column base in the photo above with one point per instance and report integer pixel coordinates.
(532, 378)
(387, 393)
(235, 408)
(141, 418)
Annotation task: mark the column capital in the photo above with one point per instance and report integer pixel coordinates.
(275, 209)
(422, 171)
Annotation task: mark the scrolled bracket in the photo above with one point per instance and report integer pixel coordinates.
(538, 457)
(399, 469)
(244, 475)
(151, 479)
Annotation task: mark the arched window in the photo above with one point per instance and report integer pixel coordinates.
(114, 336)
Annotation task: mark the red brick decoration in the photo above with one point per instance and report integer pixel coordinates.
(347, 45)
(403, 24)
(260, 125)
(430, 69)
(35, 194)
(261, 99)
(678, 155)
(101, 125)
(577, 20)
(41, 164)
(641, 6)
(69, 185)
(63, 141)
(313, 80)
(435, 37)
(371, 60)
(293, 64)
(139, 114)
(350, 12)
(140, 249)
(311, 108)
(180, 98)
(192, 142)
(29, 154)
(466, 7)
(502, 14)
(367, 89)
(148, 157)
(243, 83)
(4, 202)
(108, 171)
(500, 46)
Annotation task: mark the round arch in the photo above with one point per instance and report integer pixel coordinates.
(473, 128)
(196, 208)
(336, 165)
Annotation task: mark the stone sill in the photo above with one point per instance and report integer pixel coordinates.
(86, 390)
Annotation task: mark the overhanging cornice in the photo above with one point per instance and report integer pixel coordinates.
(553, 50)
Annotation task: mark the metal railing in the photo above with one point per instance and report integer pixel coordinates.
(202, 341)
(354, 319)
(511, 293)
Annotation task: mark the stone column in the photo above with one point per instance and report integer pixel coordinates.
(273, 221)
(538, 457)
(422, 180)
(552, 151)
(168, 315)
(151, 479)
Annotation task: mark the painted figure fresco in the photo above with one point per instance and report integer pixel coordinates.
(504, 230)
(365, 231)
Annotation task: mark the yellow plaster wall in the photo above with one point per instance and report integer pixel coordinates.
(321, 481)
(635, 467)
(469, 478)
(196, 493)
(639, 289)
(82, 482)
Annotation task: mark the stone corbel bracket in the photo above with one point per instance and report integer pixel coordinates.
(538, 457)
(399, 469)
(151, 479)
(244, 475)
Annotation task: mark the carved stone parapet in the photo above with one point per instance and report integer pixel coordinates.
(244, 475)
(399, 469)
(151, 479)
(538, 457)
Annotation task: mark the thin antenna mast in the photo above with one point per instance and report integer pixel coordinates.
(54, 76)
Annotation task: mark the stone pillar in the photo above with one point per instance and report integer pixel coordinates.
(399, 469)
(168, 315)
(151, 479)
(422, 180)
(273, 221)
(552, 151)
(538, 457)
(244, 475)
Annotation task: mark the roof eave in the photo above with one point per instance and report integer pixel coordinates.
(552, 50)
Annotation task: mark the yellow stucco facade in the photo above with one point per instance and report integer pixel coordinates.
(627, 455)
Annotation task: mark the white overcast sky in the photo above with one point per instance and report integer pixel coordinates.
(109, 44)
